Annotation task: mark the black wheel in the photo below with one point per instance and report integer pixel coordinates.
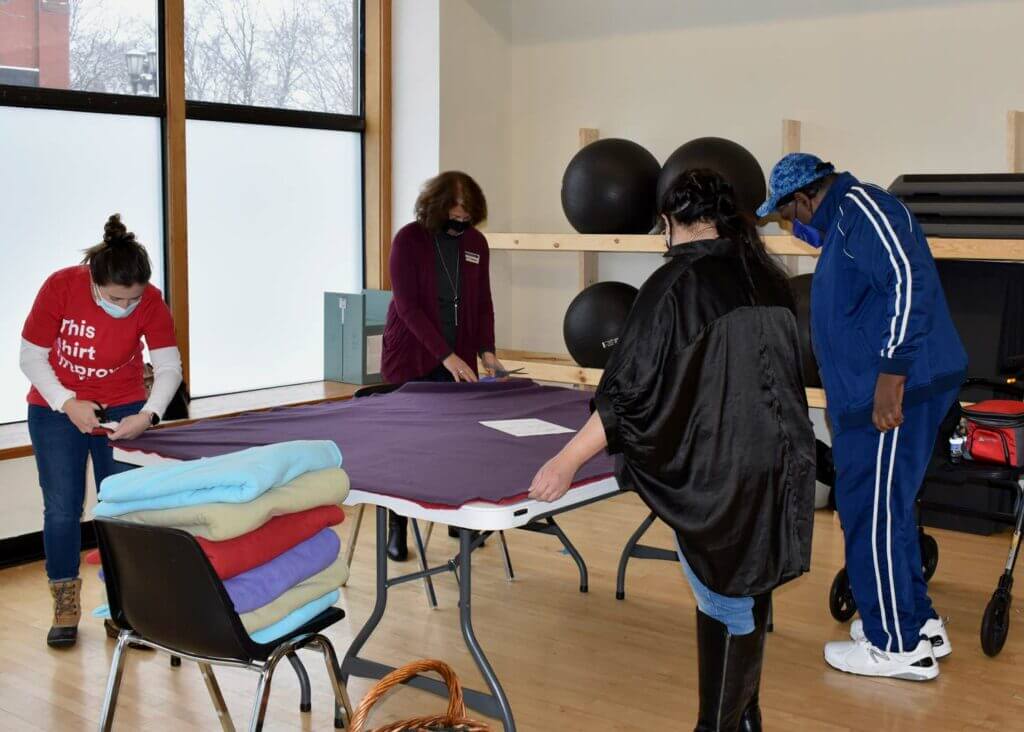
(995, 625)
(929, 555)
(840, 598)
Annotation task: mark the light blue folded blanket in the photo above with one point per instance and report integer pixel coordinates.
(237, 477)
(295, 619)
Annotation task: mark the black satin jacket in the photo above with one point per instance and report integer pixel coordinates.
(703, 401)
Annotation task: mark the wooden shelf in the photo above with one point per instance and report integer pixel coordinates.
(561, 369)
(1011, 250)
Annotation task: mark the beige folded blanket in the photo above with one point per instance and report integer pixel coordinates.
(222, 521)
(301, 594)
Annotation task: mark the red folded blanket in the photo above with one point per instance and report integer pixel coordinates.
(259, 546)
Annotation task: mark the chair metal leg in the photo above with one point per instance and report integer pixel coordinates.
(305, 702)
(342, 703)
(350, 550)
(259, 707)
(114, 682)
(509, 573)
(217, 698)
(421, 550)
(259, 710)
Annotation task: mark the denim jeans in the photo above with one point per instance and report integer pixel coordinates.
(61, 454)
(735, 613)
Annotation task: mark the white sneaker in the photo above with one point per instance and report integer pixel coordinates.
(934, 628)
(862, 658)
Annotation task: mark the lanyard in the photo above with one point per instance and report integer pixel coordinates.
(453, 282)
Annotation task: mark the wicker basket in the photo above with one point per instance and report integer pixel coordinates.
(453, 721)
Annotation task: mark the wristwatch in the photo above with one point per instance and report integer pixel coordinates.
(154, 419)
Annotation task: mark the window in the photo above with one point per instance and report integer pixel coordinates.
(274, 156)
(284, 54)
(107, 46)
(275, 220)
(63, 174)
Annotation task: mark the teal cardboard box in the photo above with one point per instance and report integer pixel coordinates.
(354, 335)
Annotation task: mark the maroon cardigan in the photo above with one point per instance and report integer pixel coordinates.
(413, 344)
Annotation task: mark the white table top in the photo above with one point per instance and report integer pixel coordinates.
(478, 515)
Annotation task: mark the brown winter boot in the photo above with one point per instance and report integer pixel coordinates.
(67, 611)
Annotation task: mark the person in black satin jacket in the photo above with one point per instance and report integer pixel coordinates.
(703, 403)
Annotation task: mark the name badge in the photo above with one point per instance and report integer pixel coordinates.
(472, 257)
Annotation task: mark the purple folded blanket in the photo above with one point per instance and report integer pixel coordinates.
(265, 583)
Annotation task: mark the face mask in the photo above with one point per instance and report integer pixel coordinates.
(808, 234)
(114, 311)
(456, 226)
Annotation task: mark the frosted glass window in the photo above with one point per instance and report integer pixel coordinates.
(283, 54)
(275, 220)
(62, 174)
(83, 45)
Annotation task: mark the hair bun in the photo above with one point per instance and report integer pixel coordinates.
(115, 233)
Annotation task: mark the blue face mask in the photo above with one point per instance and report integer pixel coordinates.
(807, 234)
(114, 311)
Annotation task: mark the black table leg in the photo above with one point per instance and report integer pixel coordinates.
(466, 618)
(382, 596)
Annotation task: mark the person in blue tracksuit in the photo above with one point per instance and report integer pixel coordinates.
(891, 363)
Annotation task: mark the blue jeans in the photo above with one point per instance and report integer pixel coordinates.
(61, 455)
(735, 613)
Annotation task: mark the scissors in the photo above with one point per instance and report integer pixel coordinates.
(503, 374)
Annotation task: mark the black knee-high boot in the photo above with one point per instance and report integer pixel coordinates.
(730, 673)
(398, 544)
(751, 719)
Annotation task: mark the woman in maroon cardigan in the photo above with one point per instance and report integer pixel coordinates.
(441, 317)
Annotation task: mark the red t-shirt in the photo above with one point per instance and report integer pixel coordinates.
(94, 355)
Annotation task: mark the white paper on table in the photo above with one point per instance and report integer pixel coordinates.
(527, 427)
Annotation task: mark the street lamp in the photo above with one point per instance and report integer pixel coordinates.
(142, 68)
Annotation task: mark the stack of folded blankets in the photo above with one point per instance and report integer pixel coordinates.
(263, 516)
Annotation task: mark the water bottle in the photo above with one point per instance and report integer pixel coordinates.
(956, 445)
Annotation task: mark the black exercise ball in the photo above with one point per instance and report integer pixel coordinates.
(801, 287)
(608, 188)
(594, 321)
(730, 160)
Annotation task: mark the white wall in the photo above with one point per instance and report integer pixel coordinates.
(415, 99)
(22, 498)
(881, 88)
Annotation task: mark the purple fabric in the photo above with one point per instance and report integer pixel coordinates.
(423, 442)
(267, 582)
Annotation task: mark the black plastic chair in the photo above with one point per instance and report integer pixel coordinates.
(164, 594)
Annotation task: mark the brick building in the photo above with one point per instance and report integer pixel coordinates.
(35, 43)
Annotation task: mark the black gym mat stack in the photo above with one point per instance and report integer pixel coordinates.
(965, 205)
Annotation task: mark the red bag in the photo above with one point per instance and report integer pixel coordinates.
(995, 432)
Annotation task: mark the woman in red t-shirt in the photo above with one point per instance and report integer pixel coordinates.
(81, 348)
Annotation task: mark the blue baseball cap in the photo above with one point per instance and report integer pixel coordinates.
(793, 172)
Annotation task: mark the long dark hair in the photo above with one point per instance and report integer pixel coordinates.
(442, 192)
(703, 195)
(119, 259)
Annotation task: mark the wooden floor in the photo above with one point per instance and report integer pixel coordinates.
(568, 661)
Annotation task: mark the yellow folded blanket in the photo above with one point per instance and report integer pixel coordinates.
(301, 594)
(222, 521)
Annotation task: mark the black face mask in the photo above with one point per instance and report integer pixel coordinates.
(456, 227)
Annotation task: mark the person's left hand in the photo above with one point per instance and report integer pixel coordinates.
(888, 412)
(553, 480)
(133, 426)
(492, 364)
